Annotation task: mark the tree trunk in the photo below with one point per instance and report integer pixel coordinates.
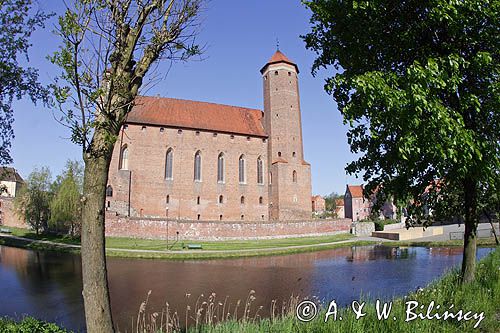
(94, 274)
(470, 235)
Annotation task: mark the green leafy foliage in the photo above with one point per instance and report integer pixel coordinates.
(33, 202)
(418, 84)
(65, 206)
(18, 21)
(28, 325)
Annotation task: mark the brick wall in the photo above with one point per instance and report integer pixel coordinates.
(8, 217)
(154, 228)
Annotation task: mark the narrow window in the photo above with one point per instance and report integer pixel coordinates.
(197, 166)
(221, 199)
(294, 154)
(220, 217)
(241, 164)
(198, 200)
(167, 200)
(109, 191)
(294, 176)
(124, 158)
(198, 217)
(169, 164)
(275, 72)
(279, 154)
(262, 217)
(270, 178)
(260, 171)
(261, 200)
(242, 200)
(220, 168)
(289, 74)
(109, 204)
(242, 217)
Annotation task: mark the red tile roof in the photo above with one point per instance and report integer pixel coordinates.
(277, 58)
(339, 202)
(180, 113)
(356, 190)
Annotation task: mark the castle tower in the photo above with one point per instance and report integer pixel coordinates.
(290, 174)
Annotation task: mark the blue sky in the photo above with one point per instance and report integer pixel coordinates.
(240, 37)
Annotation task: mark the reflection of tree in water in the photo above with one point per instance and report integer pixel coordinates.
(376, 252)
(52, 284)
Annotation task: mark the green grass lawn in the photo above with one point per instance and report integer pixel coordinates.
(145, 244)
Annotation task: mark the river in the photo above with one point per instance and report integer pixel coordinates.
(47, 285)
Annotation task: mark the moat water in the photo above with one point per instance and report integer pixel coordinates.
(48, 285)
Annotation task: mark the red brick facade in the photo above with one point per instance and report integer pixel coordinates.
(155, 228)
(142, 185)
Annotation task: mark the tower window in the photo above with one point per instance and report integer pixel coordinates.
(289, 74)
(198, 217)
(169, 164)
(143, 128)
(221, 199)
(241, 169)
(124, 158)
(275, 72)
(215, 134)
(279, 154)
(242, 217)
(242, 200)
(179, 131)
(294, 154)
(261, 200)
(162, 129)
(232, 136)
(262, 217)
(198, 200)
(220, 217)
(294, 176)
(167, 200)
(109, 191)
(260, 171)
(197, 166)
(220, 168)
(197, 133)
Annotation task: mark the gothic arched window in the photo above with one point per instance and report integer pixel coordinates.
(241, 166)
(260, 171)
(124, 158)
(197, 166)
(220, 168)
(169, 164)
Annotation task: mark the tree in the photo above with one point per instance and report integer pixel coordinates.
(65, 207)
(418, 84)
(32, 204)
(108, 49)
(19, 20)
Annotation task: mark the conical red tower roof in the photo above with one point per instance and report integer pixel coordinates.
(278, 57)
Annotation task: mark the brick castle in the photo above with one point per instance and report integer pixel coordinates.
(188, 160)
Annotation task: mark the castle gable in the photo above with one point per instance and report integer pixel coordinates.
(171, 112)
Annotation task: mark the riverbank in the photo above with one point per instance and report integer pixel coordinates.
(480, 296)
(160, 249)
(481, 299)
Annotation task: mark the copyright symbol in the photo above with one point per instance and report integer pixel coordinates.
(306, 311)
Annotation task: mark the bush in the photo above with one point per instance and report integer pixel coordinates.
(28, 325)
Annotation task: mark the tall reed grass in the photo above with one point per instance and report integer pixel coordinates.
(211, 314)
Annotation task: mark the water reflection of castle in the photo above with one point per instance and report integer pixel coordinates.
(367, 253)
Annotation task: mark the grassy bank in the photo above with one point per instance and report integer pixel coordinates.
(159, 249)
(483, 295)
